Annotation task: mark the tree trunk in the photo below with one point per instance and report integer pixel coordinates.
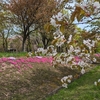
(3, 45)
(29, 45)
(23, 44)
(6, 44)
(45, 42)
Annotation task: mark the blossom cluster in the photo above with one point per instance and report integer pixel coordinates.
(90, 44)
(55, 18)
(74, 60)
(50, 51)
(66, 80)
(91, 6)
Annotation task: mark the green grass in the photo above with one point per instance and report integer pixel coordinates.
(81, 89)
(13, 54)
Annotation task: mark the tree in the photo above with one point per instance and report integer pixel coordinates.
(28, 14)
(5, 26)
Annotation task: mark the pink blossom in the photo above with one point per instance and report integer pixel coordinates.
(1, 60)
(18, 61)
(12, 62)
(4, 59)
(97, 55)
(77, 59)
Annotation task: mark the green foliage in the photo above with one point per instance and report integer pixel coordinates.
(98, 48)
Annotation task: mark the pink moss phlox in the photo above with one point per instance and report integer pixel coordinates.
(97, 55)
(51, 59)
(18, 62)
(22, 60)
(4, 59)
(44, 60)
(37, 59)
(1, 60)
(12, 62)
(77, 59)
(32, 60)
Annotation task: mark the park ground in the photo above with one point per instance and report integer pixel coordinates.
(42, 81)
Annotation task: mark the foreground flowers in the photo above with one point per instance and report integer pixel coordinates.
(66, 80)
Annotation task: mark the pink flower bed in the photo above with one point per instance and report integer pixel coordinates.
(97, 55)
(27, 62)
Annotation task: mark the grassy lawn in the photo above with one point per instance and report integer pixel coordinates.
(81, 89)
(13, 54)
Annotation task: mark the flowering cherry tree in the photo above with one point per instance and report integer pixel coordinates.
(76, 56)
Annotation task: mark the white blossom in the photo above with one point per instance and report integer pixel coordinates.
(98, 80)
(95, 83)
(53, 22)
(96, 4)
(69, 81)
(40, 49)
(53, 16)
(39, 56)
(81, 63)
(84, 5)
(58, 60)
(59, 16)
(64, 79)
(65, 85)
(71, 49)
(58, 33)
(44, 51)
(98, 37)
(77, 50)
(29, 54)
(70, 76)
(69, 39)
(82, 71)
(12, 58)
(77, 5)
(89, 43)
(69, 59)
(94, 59)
